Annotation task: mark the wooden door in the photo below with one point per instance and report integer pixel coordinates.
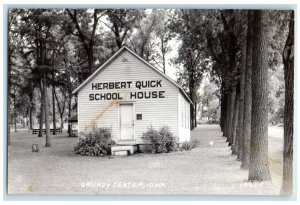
(126, 122)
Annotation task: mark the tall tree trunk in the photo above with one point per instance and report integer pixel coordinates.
(229, 115)
(88, 42)
(69, 113)
(192, 116)
(226, 113)
(15, 112)
(91, 59)
(15, 120)
(240, 135)
(47, 126)
(163, 53)
(117, 34)
(259, 165)
(288, 59)
(60, 109)
(195, 115)
(248, 95)
(30, 112)
(192, 106)
(227, 109)
(53, 110)
(234, 136)
(223, 110)
(30, 118)
(62, 122)
(41, 120)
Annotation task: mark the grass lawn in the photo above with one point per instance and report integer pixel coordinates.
(56, 170)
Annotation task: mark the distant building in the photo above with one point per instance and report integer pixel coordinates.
(128, 95)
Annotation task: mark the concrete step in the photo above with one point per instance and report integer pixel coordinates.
(123, 150)
(120, 153)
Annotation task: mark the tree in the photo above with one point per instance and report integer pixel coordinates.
(276, 94)
(218, 54)
(248, 95)
(27, 90)
(122, 23)
(189, 25)
(278, 37)
(241, 31)
(39, 29)
(259, 165)
(224, 50)
(163, 36)
(46, 106)
(235, 125)
(86, 26)
(69, 80)
(53, 106)
(209, 100)
(288, 59)
(230, 74)
(142, 41)
(61, 105)
(13, 74)
(42, 110)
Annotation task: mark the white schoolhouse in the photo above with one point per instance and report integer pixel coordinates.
(128, 95)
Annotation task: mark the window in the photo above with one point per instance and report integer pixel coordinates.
(139, 116)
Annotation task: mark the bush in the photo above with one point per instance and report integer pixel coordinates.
(189, 145)
(162, 140)
(186, 146)
(95, 143)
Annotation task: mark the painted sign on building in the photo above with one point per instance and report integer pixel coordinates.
(116, 86)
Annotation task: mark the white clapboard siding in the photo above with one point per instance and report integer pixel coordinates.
(156, 112)
(183, 118)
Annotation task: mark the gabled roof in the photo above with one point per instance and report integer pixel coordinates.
(111, 59)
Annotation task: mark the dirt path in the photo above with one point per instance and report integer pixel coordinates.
(204, 170)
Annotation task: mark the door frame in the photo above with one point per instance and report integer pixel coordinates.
(119, 120)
